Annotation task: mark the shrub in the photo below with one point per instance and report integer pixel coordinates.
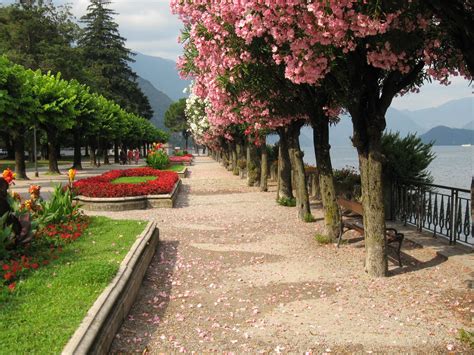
(242, 164)
(60, 207)
(158, 159)
(406, 158)
(347, 181)
(287, 202)
(467, 337)
(322, 239)
(309, 218)
(179, 154)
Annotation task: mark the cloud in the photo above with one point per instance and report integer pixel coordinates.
(433, 94)
(148, 25)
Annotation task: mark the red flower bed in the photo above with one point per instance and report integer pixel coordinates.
(183, 159)
(56, 234)
(101, 186)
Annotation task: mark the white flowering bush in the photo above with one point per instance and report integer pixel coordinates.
(196, 114)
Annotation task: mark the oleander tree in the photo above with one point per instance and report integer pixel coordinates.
(249, 88)
(372, 50)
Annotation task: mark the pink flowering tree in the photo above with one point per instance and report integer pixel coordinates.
(251, 92)
(373, 50)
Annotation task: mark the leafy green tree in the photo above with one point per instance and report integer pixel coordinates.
(176, 121)
(39, 35)
(108, 60)
(57, 112)
(17, 108)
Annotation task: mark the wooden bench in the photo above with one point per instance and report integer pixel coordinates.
(353, 211)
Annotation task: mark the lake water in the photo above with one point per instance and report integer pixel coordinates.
(453, 165)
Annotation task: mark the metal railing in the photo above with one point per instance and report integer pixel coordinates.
(445, 211)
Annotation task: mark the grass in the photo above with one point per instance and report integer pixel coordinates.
(467, 337)
(46, 308)
(7, 163)
(322, 239)
(176, 168)
(133, 179)
(309, 218)
(287, 202)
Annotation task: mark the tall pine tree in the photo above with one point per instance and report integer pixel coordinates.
(108, 60)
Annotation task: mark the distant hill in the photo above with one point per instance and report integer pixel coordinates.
(469, 125)
(159, 102)
(162, 74)
(455, 113)
(443, 135)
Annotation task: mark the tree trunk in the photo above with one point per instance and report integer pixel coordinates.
(92, 155)
(52, 153)
(86, 153)
(370, 165)
(19, 148)
(9, 146)
(235, 163)
(315, 188)
(332, 217)
(77, 164)
(302, 197)
(285, 187)
(253, 165)
(116, 152)
(368, 127)
(264, 171)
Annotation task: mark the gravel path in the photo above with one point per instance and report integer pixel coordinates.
(236, 272)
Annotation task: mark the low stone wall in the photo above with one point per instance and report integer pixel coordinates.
(183, 173)
(115, 204)
(97, 330)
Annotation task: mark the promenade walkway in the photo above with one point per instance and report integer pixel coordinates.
(237, 272)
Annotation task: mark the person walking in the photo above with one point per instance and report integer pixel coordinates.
(130, 156)
(136, 155)
(123, 157)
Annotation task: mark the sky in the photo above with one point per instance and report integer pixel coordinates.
(150, 28)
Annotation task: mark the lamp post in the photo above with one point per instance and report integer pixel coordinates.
(35, 151)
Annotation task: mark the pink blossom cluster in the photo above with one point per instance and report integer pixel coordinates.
(306, 37)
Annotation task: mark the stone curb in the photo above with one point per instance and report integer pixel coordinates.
(114, 204)
(97, 330)
(183, 173)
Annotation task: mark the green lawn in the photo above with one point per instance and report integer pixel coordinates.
(46, 308)
(133, 179)
(178, 167)
(6, 163)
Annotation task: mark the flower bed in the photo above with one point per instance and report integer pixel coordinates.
(181, 160)
(20, 263)
(102, 186)
(62, 287)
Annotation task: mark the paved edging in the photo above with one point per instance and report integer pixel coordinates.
(97, 330)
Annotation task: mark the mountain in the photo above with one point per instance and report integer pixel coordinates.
(455, 113)
(443, 135)
(159, 102)
(162, 74)
(469, 125)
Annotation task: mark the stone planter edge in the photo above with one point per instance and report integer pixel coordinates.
(98, 328)
(121, 203)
